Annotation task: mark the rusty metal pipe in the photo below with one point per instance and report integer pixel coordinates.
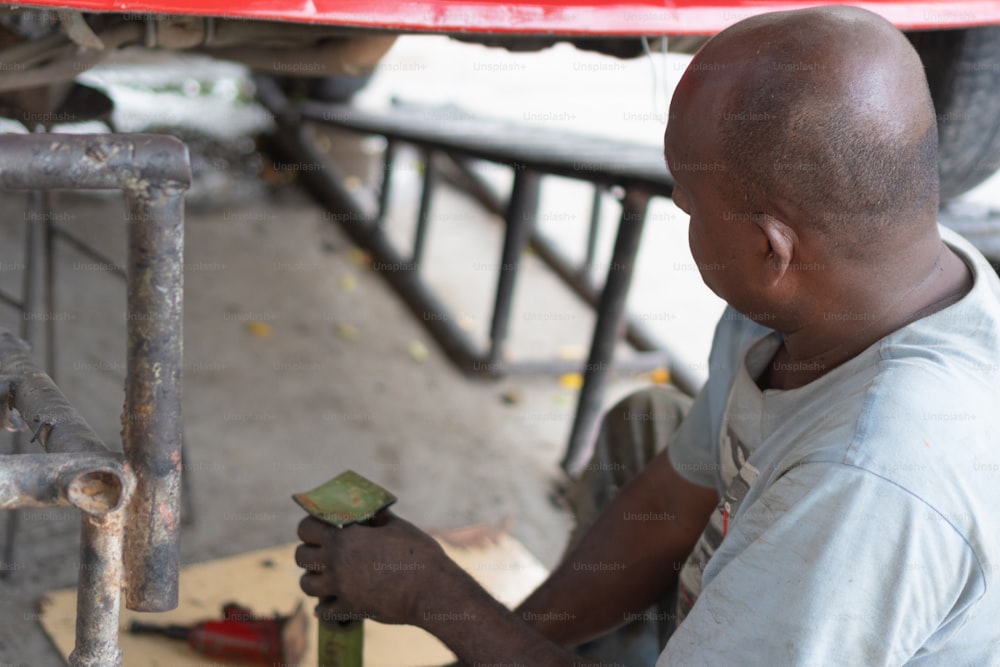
(99, 585)
(152, 427)
(153, 171)
(93, 161)
(94, 483)
(56, 425)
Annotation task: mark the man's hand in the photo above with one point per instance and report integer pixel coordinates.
(395, 573)
(382, 571)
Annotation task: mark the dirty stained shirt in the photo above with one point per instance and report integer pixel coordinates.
(857, 522)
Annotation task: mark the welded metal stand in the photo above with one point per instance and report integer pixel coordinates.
(636, 172)
(130, 502)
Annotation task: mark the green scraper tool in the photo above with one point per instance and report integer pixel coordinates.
(347, 498)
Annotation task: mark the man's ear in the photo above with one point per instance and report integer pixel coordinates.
(781, 242)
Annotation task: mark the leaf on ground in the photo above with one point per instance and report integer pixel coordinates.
(511, 397)
(359, 257)
(660, 375)
(418, 351)
(347, 331)
(259, 329)
(571, 381)
(560, 399)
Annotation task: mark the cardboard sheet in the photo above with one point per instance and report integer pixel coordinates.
(266, 581)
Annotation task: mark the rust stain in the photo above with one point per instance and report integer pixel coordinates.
(167, 517)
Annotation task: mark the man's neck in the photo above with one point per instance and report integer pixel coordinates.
(877, 307)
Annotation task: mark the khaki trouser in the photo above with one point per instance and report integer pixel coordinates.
(631, 434)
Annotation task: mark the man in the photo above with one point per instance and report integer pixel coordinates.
(831, 491)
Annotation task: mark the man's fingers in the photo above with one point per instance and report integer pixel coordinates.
(332, 610)
(311, 530)
(327, 610)
(313, 584)
(310, 558)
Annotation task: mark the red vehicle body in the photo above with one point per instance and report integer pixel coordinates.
(546, 17)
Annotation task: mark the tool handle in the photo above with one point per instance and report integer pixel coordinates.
(172, 631)
(341, 645)
(347, 498)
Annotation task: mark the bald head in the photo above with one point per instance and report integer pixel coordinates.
(822, 116)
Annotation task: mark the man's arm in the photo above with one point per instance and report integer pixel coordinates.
(481, 631)
(628, 559)
(411, 580)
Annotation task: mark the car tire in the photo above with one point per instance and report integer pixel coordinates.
(963, 71)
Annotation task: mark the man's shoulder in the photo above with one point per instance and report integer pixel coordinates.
(947, 362)
(930, 428)
(974, 321)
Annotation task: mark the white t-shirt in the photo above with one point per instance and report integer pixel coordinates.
(859, 518)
